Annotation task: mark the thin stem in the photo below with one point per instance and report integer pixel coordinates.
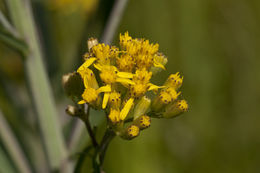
(89, 129)
(5, 164)
(109, 135)
(6, 24)
(22, 18)
(12, 146)
(113, 21)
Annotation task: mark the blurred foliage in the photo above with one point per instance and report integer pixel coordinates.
(214, 44)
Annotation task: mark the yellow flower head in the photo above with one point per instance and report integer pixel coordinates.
(123, 77)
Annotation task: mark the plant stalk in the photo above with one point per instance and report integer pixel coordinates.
(22, 18)
(12, 146)
(113, 21)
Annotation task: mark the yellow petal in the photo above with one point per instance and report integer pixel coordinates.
(154, 87)
(125, 75)
(105, 100)
(126, 108)
(157, 64)
(98, 66)
(88, 62)
(81, 102)
(106, 88)
(125, 81)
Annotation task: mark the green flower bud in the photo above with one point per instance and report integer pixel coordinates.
(92, 42)
(73, 85)
(176, 109)
(141, 107)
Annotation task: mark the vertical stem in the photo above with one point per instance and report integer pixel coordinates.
(109, 135)
(89, 129)
(12, 146)
(22, 17)
(5, 165)
(113, 21)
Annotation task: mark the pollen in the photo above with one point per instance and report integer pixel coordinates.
(144, 61)
(124, 39)
(138, 90)
(125, 63)
(174, 81)
(102, 53)
(142, 76)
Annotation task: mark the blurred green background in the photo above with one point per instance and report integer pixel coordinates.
(214, 44)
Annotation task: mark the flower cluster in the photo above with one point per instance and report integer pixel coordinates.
(117, 80)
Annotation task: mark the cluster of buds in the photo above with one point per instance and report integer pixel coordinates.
(117, 80)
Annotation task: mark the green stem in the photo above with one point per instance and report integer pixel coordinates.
(12, 146)
(89, 128)
(109, 135)
(113, 21)
(21, 15)
(5, 23)
(5, 165)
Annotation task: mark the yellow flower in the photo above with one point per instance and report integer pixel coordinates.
(145, 53)
(110, 75)
(174, 81)
(90, 95)
(123, 84)
(141, 85)
(165, 97)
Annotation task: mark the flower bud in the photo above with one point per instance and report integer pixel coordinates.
(143, 122)
(73, 84)
(92, 42)
(72, 111)
(130, 132)
(141, 107)
(176, 109)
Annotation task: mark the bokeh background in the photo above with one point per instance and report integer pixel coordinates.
(214, 44)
